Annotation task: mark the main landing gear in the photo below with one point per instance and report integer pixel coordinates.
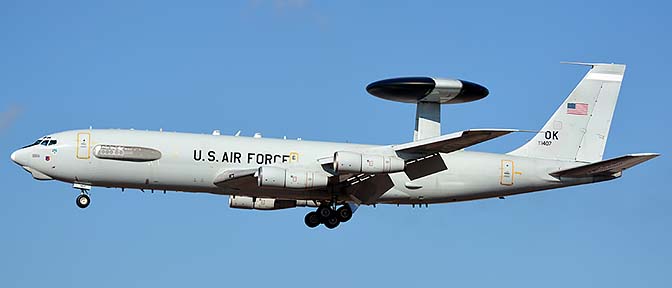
(325, 214)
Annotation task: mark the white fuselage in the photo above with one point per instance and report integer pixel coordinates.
(190, 163)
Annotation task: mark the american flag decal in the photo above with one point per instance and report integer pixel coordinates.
(577, 108)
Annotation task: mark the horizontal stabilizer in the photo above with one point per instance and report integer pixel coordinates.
(606, 167)
(451, 142)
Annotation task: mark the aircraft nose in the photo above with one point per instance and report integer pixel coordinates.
(18, 158)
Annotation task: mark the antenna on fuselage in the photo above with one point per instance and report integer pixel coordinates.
(238, 133)
(428, 94)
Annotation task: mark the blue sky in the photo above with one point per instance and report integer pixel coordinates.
(298, 69)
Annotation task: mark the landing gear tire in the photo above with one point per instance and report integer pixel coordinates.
(83, 201)
(312, 219)
(332, 222)
(325, 212)
(344, 213)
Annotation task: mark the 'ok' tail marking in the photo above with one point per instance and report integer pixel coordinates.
(578, 130)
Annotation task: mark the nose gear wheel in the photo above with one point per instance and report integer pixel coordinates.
(83, 201)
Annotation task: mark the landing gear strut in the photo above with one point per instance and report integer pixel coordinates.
(327, 215)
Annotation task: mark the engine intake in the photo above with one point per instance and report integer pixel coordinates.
(351, 162)
(286, 178)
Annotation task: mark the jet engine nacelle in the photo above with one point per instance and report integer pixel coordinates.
(351, 162)
(245, 202)
(277, 177)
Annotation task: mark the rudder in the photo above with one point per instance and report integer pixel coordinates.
(579, 128)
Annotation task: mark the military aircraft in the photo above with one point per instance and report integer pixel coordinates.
(336, 178)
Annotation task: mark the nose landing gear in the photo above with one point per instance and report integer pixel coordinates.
(83, 200)
(327, 215)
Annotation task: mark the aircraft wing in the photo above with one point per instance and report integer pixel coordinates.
(241, 178)
(451, 142)
(360, 186)
(606, 167)
(235, 178)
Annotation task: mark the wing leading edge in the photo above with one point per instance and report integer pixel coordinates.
(451, 142)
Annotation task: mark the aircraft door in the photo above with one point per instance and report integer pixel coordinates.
(87, 166)
(83, 145)
(506, 177)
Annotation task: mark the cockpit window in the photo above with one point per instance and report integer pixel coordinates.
(44, 141)
(35, 143)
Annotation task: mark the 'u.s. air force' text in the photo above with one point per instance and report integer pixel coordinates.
(249, 158)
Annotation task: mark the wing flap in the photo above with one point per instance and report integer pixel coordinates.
(606, 167)
(451, 142)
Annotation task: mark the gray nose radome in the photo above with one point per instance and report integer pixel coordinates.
(19, 157)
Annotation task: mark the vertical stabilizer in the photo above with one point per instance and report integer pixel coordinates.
(578, 130)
